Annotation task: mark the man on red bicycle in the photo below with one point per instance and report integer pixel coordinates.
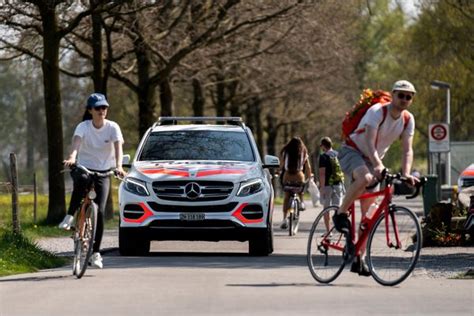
(361, 155)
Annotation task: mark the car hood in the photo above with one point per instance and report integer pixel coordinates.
(205, 170)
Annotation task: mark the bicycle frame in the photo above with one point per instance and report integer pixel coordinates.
(369, 222)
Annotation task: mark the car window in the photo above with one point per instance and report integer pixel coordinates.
(197, 145)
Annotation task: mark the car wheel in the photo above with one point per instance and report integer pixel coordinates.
(262, 243)
(132, 244)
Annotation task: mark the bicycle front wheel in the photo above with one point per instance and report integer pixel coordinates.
(84, 240)
(393, 247)
(325, 251)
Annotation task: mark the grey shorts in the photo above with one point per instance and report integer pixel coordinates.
(332, 195)
(351, 159)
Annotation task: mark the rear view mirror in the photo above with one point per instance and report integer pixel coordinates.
(271, 162)
(126, 161)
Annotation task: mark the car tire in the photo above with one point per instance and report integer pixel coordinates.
(132, 244)
(262, 243)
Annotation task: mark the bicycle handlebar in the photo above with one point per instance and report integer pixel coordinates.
(389, 178)
(99, 174)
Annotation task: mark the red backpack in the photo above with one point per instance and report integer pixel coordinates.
(367, 99)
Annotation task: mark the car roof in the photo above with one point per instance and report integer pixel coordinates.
(198, 127)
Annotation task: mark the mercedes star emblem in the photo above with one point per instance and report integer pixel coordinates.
(192, 190)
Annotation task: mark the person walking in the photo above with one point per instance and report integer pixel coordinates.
(96, 145)
(331, 177)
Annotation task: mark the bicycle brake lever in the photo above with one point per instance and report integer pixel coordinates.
(418, 186)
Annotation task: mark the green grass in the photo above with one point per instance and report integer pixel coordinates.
(18, 254)
(39, 229)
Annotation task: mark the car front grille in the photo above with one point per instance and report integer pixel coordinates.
(192, 209)
(199, 191)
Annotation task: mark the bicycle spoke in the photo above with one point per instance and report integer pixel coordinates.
(390, 262)
(325, 248)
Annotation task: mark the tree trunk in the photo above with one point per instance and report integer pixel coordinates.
(257, 104)
(199, 101)
(52, 101)
(166, 98)
(220, 95)
(98, 71)
(100, 84)
(272, 134)
(146, 91)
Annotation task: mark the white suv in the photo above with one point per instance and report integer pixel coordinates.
(197, 182)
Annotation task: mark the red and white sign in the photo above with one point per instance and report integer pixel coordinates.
(439, 137)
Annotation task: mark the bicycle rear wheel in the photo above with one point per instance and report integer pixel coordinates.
(294, 217)
(291, 210)
(325, 251)
(388, 262)
(84, 240)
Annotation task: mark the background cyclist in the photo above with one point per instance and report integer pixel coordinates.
(97, 145)
(361, 155)
(295, 167)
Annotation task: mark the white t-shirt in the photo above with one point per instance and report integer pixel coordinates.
(97, 146)
(388, 132)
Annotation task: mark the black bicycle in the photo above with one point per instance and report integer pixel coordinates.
(85, 219)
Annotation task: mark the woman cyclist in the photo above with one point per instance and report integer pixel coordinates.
(295, 167)
(97, 145)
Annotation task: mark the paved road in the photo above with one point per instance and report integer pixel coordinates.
(216, 278)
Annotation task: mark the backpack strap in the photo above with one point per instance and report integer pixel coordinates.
(406, 119)
(351, 143)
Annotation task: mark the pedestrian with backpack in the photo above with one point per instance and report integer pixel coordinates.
(385, 120)
(331, 177)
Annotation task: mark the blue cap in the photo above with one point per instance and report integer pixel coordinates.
(97, 99)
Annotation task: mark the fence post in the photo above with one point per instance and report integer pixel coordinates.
(14, 181)
(35, 199)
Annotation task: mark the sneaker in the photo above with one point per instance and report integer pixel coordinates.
(66, 223)
(359, 266)
(284, 224)
(302, 206)
(96, 260)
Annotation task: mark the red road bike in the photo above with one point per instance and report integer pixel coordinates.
(392, 234)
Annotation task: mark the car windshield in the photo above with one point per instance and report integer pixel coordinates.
(197, 145)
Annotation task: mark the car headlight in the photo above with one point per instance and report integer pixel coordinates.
(250, 187)
(136, 186)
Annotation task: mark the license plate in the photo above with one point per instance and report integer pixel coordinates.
(191, 216)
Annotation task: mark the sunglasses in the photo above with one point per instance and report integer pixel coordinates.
(402, 96)
(103, 108)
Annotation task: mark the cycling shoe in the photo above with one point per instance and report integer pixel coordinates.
(360, 267)
(342, 223)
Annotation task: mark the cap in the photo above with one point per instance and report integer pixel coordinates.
(403, 85)
(97, 99)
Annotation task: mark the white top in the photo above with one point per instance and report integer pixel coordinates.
(388, 132)
(97, 146)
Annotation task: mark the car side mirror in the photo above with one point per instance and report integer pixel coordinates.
(271, 162)
(126, 161)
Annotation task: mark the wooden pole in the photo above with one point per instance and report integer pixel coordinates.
(35, 199)
(14, 181)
